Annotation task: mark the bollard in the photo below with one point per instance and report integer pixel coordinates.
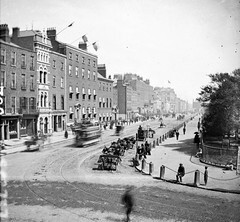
(150, 168)
(143, 164)
(160, 139)
(162, 172)
(157, 142)
(165, 136)
(153, 143)
(197, 178)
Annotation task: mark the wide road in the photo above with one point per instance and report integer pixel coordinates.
(60, 184)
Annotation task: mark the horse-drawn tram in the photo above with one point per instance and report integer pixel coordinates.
(87, 133)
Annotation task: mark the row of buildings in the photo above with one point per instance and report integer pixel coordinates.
(47, 85)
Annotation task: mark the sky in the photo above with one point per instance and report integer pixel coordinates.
(176, 41)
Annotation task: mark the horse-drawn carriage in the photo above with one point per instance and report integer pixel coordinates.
(119, 129)
(35, 143)
(108, 162)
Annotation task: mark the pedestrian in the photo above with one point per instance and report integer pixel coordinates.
(184, 130)
(128, 202)
(199, 125)
(180, 173)
(197, 140)
(177, 134)
(206, 175)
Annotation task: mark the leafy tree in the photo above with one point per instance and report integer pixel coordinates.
(222, 101)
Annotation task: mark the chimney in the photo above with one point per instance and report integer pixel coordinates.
(82, 45)
(51, 33)
(4, 33)
(15, 33)
(102, 70)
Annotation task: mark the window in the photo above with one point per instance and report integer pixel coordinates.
(31, 82)
(70, 70)
(77, 58)
(23, 85)
(89, 94)
(70, 92)
(83, 93)
(83, 60)
(54, 103)
(3, 78)
(70, 113)
(13, 81)
(40, 76)
(45, 77)
(54, 81)
(110, 104)
(77, 72)
(61, 82)
(70, 55)
(32, 103)
(62, 66)
(62, 102)
(100, 102)
(94, 63)
(83, 71)
(89, 62)
(23, 103)
(94, 95)
(94, 75)
(77, 92)
(54, 64)
(13, 104)
(23, 61)
(32, 63)
(88, 74)
(3, 56)
(13, 58)
(107, 103)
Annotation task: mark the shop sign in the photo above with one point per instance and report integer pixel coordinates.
(1, 101)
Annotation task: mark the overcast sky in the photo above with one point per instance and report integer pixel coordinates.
(181, 41)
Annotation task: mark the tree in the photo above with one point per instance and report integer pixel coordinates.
(222, 101)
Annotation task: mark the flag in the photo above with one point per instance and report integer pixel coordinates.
(84, 37)
(70, 24)
(95, 46)
(169, 82)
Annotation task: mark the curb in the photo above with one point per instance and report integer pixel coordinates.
(192, 185)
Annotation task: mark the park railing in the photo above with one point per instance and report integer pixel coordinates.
(220, 156)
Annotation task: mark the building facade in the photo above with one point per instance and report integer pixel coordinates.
(105, 98)
(57, 91)
(39, 43)
(81, 80)
(19, 86)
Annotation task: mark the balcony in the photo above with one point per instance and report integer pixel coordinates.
(31, 110)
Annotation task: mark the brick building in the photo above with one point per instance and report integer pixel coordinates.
(57, 91)
(81, 79)
(105, 95)
(18, 80)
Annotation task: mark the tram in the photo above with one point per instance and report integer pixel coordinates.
(87, 133)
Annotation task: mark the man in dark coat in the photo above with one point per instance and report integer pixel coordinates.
(180, 173)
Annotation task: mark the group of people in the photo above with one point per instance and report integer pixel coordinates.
(143, 150)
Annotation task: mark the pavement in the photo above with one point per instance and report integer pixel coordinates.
(170, 153)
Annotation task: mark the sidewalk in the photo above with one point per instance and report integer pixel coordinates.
(172, 152)
(17, 145)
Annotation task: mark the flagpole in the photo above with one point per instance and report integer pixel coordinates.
(65, 28)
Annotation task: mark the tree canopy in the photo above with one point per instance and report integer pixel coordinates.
(221, 98)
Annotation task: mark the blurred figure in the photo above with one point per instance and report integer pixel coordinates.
(206, 175)
(128, 202)
(177, 134)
